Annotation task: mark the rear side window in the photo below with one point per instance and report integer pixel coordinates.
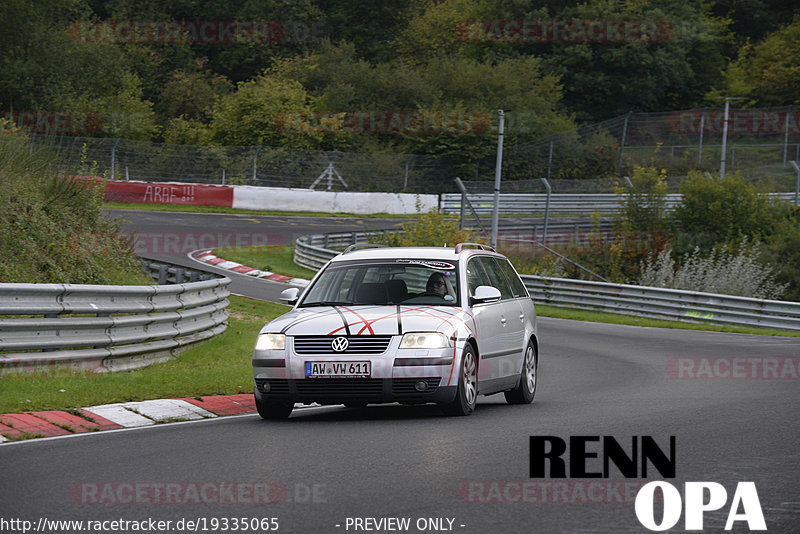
(497, 278)
(516, 284)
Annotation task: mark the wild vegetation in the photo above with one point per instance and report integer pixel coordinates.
(52, 227)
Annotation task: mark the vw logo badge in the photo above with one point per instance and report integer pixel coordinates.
(340, 344)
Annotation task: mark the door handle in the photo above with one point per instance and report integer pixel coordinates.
(503, 319)
(522, 317)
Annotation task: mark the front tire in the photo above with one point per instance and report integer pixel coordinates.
(526, 389)
(273, 410)
(467, 393)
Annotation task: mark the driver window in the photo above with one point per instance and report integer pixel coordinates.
(476, 276)
(498, 279)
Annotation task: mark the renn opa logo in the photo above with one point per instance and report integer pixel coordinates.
(593, 457)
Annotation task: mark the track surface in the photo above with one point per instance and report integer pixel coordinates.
(397, 461)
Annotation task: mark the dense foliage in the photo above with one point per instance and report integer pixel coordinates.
(52, 227)
(325, 56)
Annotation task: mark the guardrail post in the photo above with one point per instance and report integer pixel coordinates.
(162, 275)
(355, 238)
(179, 275)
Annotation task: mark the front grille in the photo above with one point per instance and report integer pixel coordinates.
(340, 388)
(357, 344)
(405, 387)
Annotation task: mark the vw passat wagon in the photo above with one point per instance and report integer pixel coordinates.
(408, 325)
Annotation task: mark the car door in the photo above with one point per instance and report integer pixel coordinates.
(509, 358)
(499, 330)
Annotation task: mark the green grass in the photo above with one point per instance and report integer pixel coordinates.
(544, 310)
(222, 209)
(219, 366)
(273, 258)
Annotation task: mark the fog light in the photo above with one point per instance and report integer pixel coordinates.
(265, 387)
(421, 386)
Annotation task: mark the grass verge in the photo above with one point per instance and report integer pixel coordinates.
(273, 258)
(220, 366)
(543, 310)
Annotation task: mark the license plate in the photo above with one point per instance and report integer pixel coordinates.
(338, 369)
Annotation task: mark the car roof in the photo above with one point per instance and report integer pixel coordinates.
(432, 253)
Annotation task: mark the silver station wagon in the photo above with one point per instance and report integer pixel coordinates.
(408, 325)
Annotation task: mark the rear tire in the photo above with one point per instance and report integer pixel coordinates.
(526, 389)
(467, 393)
(273, 410)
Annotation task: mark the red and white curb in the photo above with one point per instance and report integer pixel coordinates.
(205, 256)
(18, 426)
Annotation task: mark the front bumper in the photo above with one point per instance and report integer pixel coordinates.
(343, 390)
(397, 375)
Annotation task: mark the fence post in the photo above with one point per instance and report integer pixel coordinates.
(622, 142)
(786, 135)
(255, 161)
(700, 148)
(113, 156)
(550, 160)
(546, 210)
(405, 174)
(796, 183)
(223, 176)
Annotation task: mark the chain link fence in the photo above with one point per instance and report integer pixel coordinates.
(761, 143)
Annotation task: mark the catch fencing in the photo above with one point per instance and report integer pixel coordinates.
(312, 251)
(678, 141)
(107, 328)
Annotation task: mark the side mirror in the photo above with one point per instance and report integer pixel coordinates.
(290, 296)
(485, 294)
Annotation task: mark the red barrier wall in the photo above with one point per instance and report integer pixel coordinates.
(165, 193)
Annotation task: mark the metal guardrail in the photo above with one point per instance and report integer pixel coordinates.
(662, 303)
(651, 302)
(164, 273)
(95, 327)
(522, 203)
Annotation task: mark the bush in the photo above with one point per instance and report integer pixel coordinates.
(715, 211)
(52, 227)
(431, 229)
(723, 271)
(783, 251)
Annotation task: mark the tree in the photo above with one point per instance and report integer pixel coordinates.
(714, 211)
(768, 73)
(251, 115)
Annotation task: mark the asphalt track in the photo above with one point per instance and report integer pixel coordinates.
(333, 463)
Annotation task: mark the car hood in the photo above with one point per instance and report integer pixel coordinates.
(369, 320)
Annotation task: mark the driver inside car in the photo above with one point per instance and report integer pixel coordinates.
(439, 284)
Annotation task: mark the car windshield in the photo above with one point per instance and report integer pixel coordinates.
(406, 281)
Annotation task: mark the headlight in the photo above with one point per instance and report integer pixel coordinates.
(271, 342)
(424, 340)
